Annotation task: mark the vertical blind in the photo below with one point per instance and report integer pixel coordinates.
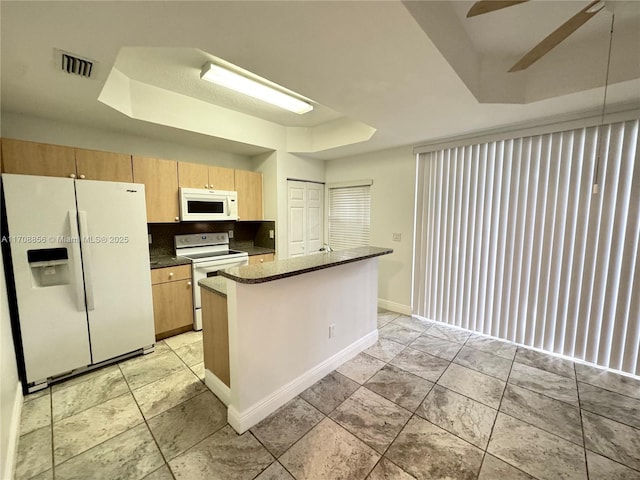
(349, 216)
(513, 243)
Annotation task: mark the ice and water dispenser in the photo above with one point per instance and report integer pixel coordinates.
(49, 267)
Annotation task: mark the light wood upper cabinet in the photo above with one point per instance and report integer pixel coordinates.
(198, 175)
(249, 187)
(30, 158)
(160, 178)
(107, 166)
(221, 178)
(193, 175)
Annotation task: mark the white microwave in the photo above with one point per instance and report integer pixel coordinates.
(197, 204)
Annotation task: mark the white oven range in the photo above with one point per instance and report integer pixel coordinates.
(209, 253)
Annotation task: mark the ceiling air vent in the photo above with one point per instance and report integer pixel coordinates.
(74, 64)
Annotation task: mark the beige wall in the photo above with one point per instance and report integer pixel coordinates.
(37, 129)
(392, 211)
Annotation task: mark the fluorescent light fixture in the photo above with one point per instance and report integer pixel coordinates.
(229, 79)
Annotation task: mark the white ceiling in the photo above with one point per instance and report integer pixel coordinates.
(414, 72)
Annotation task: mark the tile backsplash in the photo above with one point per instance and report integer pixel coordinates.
(256, 233)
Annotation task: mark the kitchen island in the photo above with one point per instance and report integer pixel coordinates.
(272, 330)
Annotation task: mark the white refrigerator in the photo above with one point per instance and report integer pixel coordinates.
(80, 256)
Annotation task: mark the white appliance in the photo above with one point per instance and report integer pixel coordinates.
(197, 204)
(209, 253)
(80, 258)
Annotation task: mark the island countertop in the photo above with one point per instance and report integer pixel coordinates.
(270, 271)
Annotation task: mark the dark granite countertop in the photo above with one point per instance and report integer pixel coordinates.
(258, 250)
(215, 284)
(251, 249)
(269, 271)
(162, 261)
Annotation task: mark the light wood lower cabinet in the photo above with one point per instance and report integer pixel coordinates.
(215, 335)
(172, 300)
(266, 257)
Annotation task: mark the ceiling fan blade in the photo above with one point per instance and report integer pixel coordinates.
(486, 6)
(557, 36)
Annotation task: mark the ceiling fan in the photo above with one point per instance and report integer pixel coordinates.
(552, 40)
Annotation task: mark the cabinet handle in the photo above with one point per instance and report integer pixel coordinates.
(262, 260)
(73, 175)
(206, 186)
(177, 219)
(189, 283)
(170, 274)
(82, 176)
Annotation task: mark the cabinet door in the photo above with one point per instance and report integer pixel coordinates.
(221, 178)
(30, 158)
(193, 175)
(172, 307)
(160, 178)
(249, 187)
(106, 166)
(266, 257)
(170, 274)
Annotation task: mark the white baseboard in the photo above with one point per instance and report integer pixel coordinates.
(14, 434)
(394, 307)
(218, 387)
(243, 421)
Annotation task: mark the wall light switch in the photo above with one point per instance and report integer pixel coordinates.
(271, 234)
(397, 237)
(230, 233)
(149, 239)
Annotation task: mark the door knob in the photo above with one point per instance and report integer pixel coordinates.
(170, 274)
(189, 283)
(81, 176)
(73, 175)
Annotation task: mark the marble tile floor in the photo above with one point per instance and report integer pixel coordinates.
(428, 401)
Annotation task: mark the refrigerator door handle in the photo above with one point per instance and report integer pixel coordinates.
(86, 259)
(77, 263)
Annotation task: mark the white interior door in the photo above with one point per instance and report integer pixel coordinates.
(41, 216)
(306, 217)
(315, 217)
(115, 253)
(297, 226)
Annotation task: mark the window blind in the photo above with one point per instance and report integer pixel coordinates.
(349, 216)
(511, 242)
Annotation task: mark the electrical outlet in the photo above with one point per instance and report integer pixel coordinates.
(271, 234)
(332, 330)
(397, 237)
(230, 233)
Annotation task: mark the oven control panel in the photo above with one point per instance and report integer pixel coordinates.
(201, 239)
